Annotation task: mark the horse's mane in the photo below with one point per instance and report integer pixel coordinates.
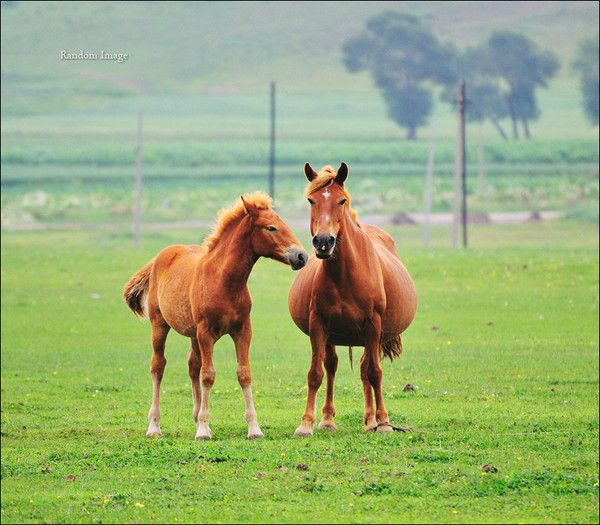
(227, 216)
(324, 178)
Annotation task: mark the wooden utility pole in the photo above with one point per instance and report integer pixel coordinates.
(137, 198)
(428, 190)
(460, 174)
(272, 156)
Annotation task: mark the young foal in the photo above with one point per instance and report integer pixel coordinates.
(355, 292)
(202, 293)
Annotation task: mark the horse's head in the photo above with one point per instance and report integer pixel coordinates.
(328, 203)
(272, 237)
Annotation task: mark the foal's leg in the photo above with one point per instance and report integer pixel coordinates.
(207, 378)
(194, 371)
(331, 362)
(241, 339)
(160, 329)
(370, 373)
(315, 376)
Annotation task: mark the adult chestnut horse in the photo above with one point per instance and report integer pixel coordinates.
(354, 291)
(202, 293)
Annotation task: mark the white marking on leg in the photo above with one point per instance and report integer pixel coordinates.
(154, 414)
(202, 429)
(254, 431)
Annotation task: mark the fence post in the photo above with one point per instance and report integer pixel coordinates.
(428, 189)
(272, 156)
(460, 174)
(137, 197)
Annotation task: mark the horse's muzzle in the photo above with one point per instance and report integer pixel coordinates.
(297, 257)
(324, 245)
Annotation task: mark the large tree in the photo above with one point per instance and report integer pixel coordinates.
(484, 95)
(523, 67)
(586, 64)
(402, 56)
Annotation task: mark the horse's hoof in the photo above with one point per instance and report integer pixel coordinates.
(153, 430)
(384, 428)
(327, 425)
(203, 437)
(370, 428)
(303, 432)
(255, 435)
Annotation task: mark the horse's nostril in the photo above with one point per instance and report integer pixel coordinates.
(331, 240)
(301, 257)
(315, 242)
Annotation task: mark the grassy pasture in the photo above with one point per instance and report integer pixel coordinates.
(504, 351)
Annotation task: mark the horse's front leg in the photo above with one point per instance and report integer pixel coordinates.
(315, 375)
(242, 338)
(331, 362)
(206, 342)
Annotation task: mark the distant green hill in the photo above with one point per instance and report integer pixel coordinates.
(234, 47)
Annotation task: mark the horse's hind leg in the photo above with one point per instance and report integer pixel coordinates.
(331, 362)
(160, 329)
(371, 375)
(194, 363)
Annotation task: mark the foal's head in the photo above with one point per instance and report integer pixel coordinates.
(329, 201)
(270, 236)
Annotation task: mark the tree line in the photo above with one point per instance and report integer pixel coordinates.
(406, 61)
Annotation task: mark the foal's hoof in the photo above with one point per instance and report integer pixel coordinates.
(153, 430)
(327, 425)
(256, 435)
(303, 431)
(203, 432)
(384, 428)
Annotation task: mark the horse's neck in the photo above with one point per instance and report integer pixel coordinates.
(352, 248)
(233, 255)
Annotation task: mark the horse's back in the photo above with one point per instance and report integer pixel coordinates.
(171, 279)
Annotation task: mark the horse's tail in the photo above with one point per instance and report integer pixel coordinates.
(136, 290)
(392, 348)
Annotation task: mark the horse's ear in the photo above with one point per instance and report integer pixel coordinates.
(249, 208)
(309, 172)
(342, 173)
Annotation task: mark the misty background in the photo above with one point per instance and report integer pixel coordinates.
(201, 73)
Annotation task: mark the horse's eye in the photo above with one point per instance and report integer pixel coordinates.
(271, 228)
(342, 202)
(311, 201)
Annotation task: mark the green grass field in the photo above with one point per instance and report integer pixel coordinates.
(504, 352)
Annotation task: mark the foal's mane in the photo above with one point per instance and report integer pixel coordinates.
(228, 216)
(324, 178)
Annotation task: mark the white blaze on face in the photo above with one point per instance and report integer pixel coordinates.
(326, 194)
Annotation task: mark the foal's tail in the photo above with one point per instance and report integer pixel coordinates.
(136, 289)
(392, 348)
